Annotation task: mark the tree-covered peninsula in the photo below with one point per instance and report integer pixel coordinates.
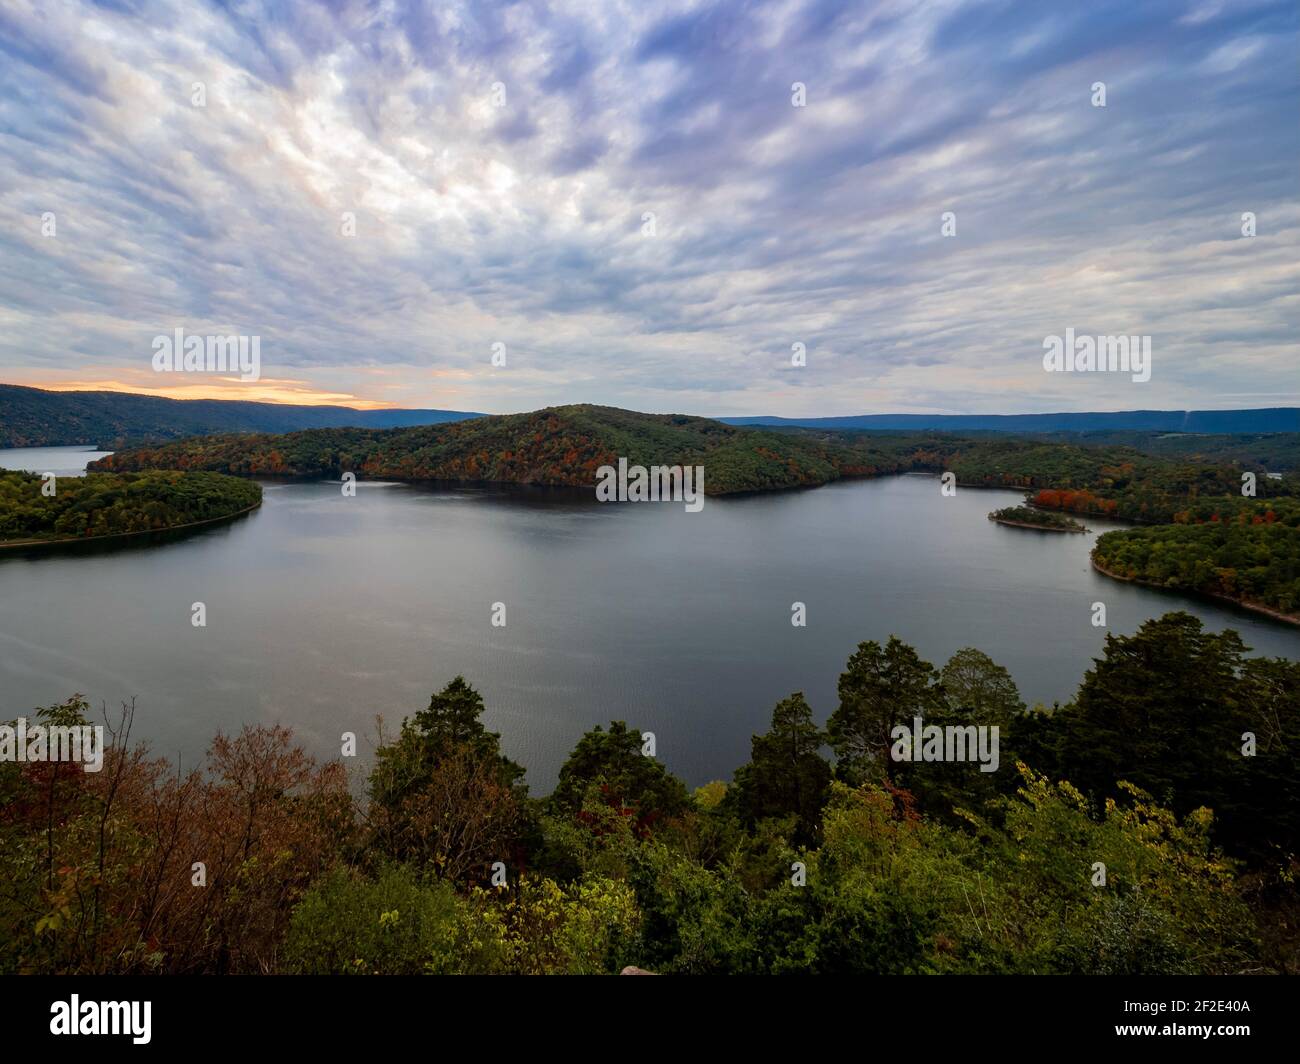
(33, 510)
(1248, 559)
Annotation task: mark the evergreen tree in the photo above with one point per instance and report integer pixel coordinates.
(453, 718)
(627, 778)
(1260, 815)
(1162, 709)
(786, 774)
(880, 688)
(449, 733)
(974, 691)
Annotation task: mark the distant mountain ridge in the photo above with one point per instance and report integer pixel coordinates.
(33, 417)
(1266, 419)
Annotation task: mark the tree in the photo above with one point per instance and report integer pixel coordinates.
(880, 688)
(974, 691)
(461, 819)
(1162, 709)
(1261, 815)
(451, 723)
(397, 923)
(979, 690)
(786, 774)
(629, 779)
(443, 794)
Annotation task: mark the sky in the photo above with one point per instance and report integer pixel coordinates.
(649, 203)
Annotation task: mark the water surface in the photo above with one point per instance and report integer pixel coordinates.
(324, 611)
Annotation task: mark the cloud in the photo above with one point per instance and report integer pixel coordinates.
(500, 163)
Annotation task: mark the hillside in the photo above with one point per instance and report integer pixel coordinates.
(566, 445)
(32, 417)
(1269, 419)
(1275, 451)
(558, 446)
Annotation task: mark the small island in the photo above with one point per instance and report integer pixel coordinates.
(101, 506)
(1028, 517)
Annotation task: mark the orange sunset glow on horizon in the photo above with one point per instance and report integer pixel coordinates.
(267, 390)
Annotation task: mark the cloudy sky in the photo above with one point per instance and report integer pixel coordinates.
(500, 160)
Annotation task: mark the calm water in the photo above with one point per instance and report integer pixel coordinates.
(324, 611)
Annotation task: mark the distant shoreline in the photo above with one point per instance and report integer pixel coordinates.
(67, 541)
(1245, 604)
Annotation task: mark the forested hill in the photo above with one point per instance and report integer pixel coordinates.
(563, 445)
(567, 444)
(32, 417)
(1268, 419)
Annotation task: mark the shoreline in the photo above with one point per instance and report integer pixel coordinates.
(67, 541)
(1245, 604)
(334, 477)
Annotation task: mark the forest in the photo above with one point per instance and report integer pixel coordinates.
(111, 504)
(1278, 451)
(565, 445)
(556, 446)
(1112, 481)
(1147, 826)
(1249, 559)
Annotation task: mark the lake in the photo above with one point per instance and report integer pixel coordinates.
(324, 611)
